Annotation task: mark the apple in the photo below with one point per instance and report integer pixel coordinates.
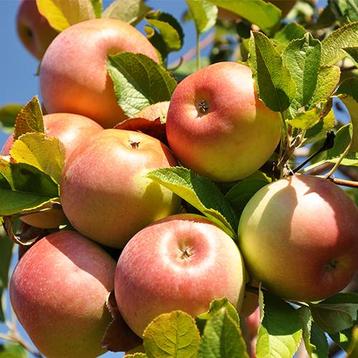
(58, 292)
(182, 262)
(33, 29)
(73, 75)
(104, 190)
(298, 236)
(217, 126)
(73, 131)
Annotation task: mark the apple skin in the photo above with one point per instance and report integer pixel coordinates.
(73, 131)
(58, 292)
(104, 191)
(182, 262)
(299, 237)
(33, 29)
(217, 126)
(73, 75)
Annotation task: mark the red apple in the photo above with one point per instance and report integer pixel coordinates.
(34, 31)
(299, 237)
(180, 263)
(58, 292)
(73, 131)
(217, 126)
(105, 193)
(73, 71)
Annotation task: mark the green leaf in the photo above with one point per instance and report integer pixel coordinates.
(131, 11)
(348, 9)
(333, 45)
(353, 54)
(139, 81)
(280, 332)
(201, 193)
(165, 33)
(259, 12)
(353, 348)
(204, 14)
(8, 114)
(6, 246)
(29, 119)
(314, 338)
(40, 151)
(342, 141)
(344, 338)
(275, 85)
(308, 119)
(291, 31)
(24, 188)
(5, 251)
(349, 87)
(302, 58)
(240, 194)
(97, 7)
(222, 335)
(171, 335)
(336, 313)
(12, 350)
(63, 13)
(327, 81)
(136, 355)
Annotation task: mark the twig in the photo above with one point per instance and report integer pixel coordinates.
(349, 183)
(14, 337)
(191, 53)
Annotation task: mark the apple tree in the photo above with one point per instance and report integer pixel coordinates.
(199, 207)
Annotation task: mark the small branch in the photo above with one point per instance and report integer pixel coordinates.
(14, 337)
(344, 182)
(328, 144)
(189, 55)
(336, 165)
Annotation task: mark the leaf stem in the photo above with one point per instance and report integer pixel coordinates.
(336, 165)
(198, 50)
(284, 146)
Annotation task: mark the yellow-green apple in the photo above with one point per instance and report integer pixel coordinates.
(299, 237)
(33, 29)
(217, 126)
(105, 193)
(73, 75)
(182, 262)
(58, 292)
(73, 131)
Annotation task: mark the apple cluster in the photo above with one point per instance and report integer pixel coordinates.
(297, 235)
